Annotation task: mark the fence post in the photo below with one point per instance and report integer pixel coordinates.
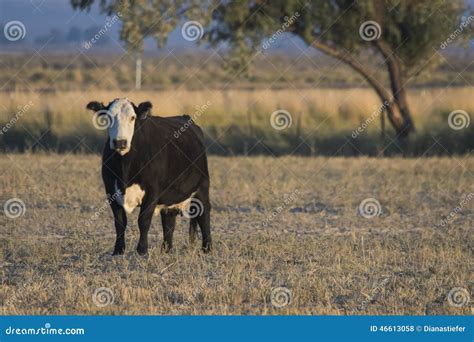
(138, 72)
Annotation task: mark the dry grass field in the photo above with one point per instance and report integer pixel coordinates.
(288, 222)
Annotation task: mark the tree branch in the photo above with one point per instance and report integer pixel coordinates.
(355, 65)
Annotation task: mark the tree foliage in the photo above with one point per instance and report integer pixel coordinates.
(146, 18)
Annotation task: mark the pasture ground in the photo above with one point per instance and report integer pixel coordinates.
(289, 222)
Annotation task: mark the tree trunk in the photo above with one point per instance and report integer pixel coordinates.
(397, 85)
(394, 113)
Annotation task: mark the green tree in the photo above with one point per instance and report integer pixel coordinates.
(403, 35)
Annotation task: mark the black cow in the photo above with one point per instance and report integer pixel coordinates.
(146, 164)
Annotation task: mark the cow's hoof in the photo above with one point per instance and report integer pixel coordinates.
(207, 249)
(142, 250)
(165, 248)
(118, 251)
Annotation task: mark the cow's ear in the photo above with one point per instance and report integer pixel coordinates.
(143, 109)
(95, 106)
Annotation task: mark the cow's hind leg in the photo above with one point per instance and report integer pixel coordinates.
(193, 227)
(204, 221)
(120, 218)
(168, 221)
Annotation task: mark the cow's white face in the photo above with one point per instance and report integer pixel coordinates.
(122, 126)
(121, 123)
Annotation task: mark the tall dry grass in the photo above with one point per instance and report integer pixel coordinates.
(315, 112)
(347, 105)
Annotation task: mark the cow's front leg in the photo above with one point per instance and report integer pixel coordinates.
(168, 221)
(144, 221)
(120, 218)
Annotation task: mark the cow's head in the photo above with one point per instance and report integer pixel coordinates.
(122, 117)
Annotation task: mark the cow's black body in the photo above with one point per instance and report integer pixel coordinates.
(169, 169)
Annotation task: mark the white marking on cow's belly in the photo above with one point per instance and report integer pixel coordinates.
(183, 206)
(132, 198)
(134, 195)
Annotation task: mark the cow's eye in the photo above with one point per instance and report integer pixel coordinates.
(132, 118)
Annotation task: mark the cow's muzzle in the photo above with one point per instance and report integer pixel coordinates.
(119, 144)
